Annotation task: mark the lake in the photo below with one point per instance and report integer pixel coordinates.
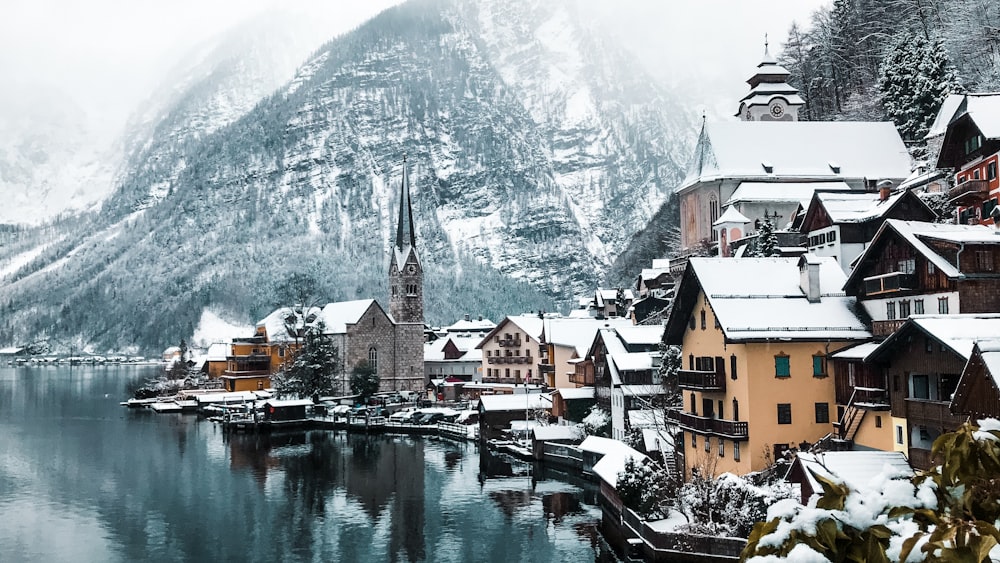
(83, 479)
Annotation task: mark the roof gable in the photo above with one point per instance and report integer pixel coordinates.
(957, 333)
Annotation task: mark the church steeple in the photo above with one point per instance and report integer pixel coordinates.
(405, 235)
(406, 276)
(771, 98)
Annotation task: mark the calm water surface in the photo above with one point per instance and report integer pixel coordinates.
(85, 480)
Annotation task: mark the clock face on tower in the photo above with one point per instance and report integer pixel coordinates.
(411, 269)
(777, 110)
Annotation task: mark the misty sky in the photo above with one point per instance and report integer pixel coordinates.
(108, 55)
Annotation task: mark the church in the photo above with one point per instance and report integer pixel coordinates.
(768, 163)
(391, 342)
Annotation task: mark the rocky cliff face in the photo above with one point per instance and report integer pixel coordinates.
(535, 148)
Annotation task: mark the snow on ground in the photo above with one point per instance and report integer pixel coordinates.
(19, 261)
(213, 328)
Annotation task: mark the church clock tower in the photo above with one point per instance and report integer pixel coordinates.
(771, 98)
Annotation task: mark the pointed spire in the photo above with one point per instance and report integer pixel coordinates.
(768, 59)
(405, 235)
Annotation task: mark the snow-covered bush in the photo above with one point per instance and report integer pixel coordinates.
(597, 422)
(949, 513)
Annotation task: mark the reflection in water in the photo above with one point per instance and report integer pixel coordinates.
(110, 484)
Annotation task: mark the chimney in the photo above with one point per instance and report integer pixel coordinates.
(467, 317)
(809, 277)
(884, 189)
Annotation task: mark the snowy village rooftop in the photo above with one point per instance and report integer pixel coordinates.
(762, 299)
(805, 149)
(801, 192)
(855, 468)
(856, 207)
(958, 332)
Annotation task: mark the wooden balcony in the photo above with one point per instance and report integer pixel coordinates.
(696, 380)
(710, 426)
(509, 342)
(890, 283)
(508, 359)
(922, 412)
(546, 368)
(584, 379)
(969, 192)
(885, 328)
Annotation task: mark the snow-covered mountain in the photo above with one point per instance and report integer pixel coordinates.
(536, 150)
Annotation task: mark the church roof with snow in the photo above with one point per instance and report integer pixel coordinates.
(797, 151)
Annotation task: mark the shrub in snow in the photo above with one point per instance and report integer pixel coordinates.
(597, 422)
(949, 513)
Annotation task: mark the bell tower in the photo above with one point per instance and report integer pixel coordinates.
(771, 98)
(406, 276)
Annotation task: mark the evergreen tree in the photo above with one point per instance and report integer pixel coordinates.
(364, 381)
(315, 368)
(915, 79)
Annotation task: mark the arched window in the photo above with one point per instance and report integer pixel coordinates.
(373, 358)
(713, 215)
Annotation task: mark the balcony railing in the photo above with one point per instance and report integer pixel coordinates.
(546, 368)
(889, 283)
(509, 342)
(581, 378)
(969, 192)
(714, 426)
(508, 359)
(923, 412)
(698, 380)
(885, 328)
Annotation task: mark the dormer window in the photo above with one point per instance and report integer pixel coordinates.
(768, 167)
(834, 167)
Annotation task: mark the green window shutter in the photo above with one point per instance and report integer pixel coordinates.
(781, 368)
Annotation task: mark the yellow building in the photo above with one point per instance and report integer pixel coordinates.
(755, 335)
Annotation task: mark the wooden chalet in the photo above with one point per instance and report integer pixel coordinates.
(914, 268)
(978, 392)
(971, 147)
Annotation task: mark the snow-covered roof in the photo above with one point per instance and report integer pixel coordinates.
(579, 333)
(515, 402)
(856, 207)
(281, 403)
(434, 351)
(789, 192)
(13, 350)
(731, 215)
(575, 393)
(646, 418)
(640, 334)
(233, 397)
(984, 109)
(859, 352)
(639, 390)
(833, 150)
(945, 114)
(989, 351)
(470, 325)
(338, 315)
(613, 462)
(557, 432)
(855, 468)
(218, 352)
(663, 263)
(957, 332)
(274, 323)
(916, 232)
(760, 298)
(653, 273)
(657, 440)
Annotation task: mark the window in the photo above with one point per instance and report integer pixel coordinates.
(890, 310)
(691, 323)
(819, 366)
(732, 366)
(694, 440)
(822, 413)
(708, 443)
(831, 236)
(281, 351)
(899, 434)
(878, 422)
(373, 358)
(781, 367)
(393, 290)
(694, 405)
(722, 448)
(713, 210)
(702, 319)
(736, 451)
(822, 238)
(904, 308)
(736, 410)
(930, 268)
(691, 361)
(907, 266)
(784, 413)
(984, 260)
(975, 174)
(517, 373)
(991, 171)
(943, 305)
(989, 206)
(506, 372)
(972, 144)
(704, 363)
(920, 387)
(918, 306)
(928, 345)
